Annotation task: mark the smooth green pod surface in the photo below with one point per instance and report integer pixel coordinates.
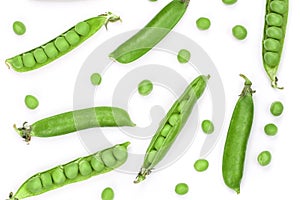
(237, 138)
(60, 45)
(143, 41)
(275, 28)
(41, 182)
(170, 126)
(70, 122)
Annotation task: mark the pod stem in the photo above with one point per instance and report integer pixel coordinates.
(142, 175)
(274, 84)
(24, 131)
(110, 17)
(11, 197)
(247, 88)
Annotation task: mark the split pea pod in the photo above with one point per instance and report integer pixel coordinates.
(274, 33)
(72, 121)
(151, 34)
(171, 125)
(237, 138)
(77, 170)
(60, 45)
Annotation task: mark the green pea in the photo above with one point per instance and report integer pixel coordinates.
(201, 165)
(264, 158)
(229, 2)
(39, 55)
(58, 176)
(151, 156)
(239, 32)
(271, 129)
(71, 170)
(272, 45)
(61, 44)
(207, 126)
(159, 142)
(145, 87)
(34, 185)
(72, 37)
(19, 28)
(181, 188)
(82, 28)
(274, 32)
(28, 60)
(274, 19)
(272, 59)
(108, 159)
(183, 56)
(165, 130)
(85, 168)
(31, 102)
(120, 153)
(181, 106)
(279, 7)
(97, 164)
(17, 62)
(276, 108)
(46, 180)
(107, 194)
(96, 79)
(51, 50)
(174, 119)
(203, 23)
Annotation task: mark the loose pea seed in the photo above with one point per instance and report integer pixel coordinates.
(71, 170)
(181, 188)
(274, 32)
(201, 165)
(72, 37)
(159, 142)
(229, 2)
(61, 44)
(272, 45)
(40, 56)
(279, 7)
(97, 164)
(151, 156)
(120, 153)
(51, 50)
(274, 19)
(174, 119)
(28, 60)
(58, 176)
(96, 79)
(46, 180)
(207, 126)
(108, 158)
(183, 56)
(166, 129)
(82, 28)
(34, 185)
(271, 129)
(31, 102)
(107, 194)
(272, 59)
(19, 28)
(239, 32)
(203, 23)
(145, 87)
(85, 168)
(264, 158)
(276, 108)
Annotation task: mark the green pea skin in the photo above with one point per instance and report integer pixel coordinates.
(51, 50)
(46, 180)
(97, 164)
(72, 37)
(279, 7)
(95, 79)
(28, 60)
(276, 108)
(145, 87)
(181, 188)
(82, 28)
(85, 168)
(239, 32)
(183, 56)
(151, 156)
(108, 158)
(229, 2)
(19, 28)
(272, 59)
(71, 170)
(274, 32)
(207, 126)
(272, 45)
(58, 176)
(264, 158)
(34, 185)
(107, 194)
(160, 141)
(31, 102)
(174, 119)
(201, 165)
(61, 44)
(120, 153)
(271, 129)
(203, 23)
(166, 129)
(40, 56)
(274, 19)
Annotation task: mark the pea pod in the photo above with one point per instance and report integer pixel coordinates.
(77, 170)
(273, 40)
(151, 34)
(72, 121)
(171, 125)
(60, 45)
(237, 138)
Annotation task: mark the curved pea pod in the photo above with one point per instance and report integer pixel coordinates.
(77, 170)
(171, 126)
(237, 138)
(274, 34)
(60, 45)
(151, 34)
(73, 121)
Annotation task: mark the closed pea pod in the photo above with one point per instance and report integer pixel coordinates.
(237, 138)
(273, 40)
(60, 45)
(66, 174)
(170, 126)
(70, 122)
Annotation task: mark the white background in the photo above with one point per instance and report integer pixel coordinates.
(54, 84)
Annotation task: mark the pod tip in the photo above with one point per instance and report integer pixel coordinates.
(126, 144)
